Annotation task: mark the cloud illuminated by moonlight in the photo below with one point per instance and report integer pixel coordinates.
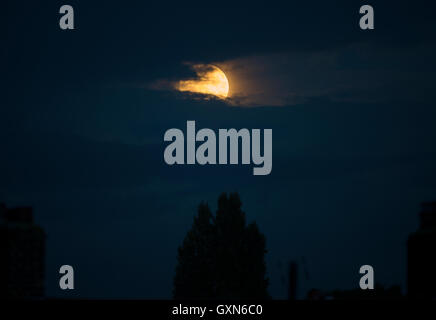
(295, 78)
(209, 82)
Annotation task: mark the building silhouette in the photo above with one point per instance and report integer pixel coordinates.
(421, 257)
(22, 253)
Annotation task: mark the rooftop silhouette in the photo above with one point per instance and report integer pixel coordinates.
(22, 252)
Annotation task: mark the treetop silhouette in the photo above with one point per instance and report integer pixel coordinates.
(221, 256)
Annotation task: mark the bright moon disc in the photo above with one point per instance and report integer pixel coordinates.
(210, 80)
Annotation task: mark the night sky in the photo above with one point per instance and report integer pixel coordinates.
(352, 113)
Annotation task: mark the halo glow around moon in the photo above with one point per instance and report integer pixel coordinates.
(210, 80)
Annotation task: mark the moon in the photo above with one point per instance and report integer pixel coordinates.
(210, 80)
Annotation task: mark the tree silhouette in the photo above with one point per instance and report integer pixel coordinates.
(222, 256)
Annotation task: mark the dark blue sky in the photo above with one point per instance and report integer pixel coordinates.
(82, 136)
